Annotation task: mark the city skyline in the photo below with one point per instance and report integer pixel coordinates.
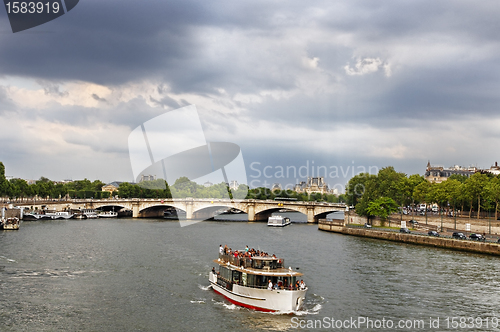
(345, 85)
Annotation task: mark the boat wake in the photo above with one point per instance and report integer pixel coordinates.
(312, 306)
(204, 287)
(198, 301)
(228, 306)
(8, 259)
(47, 273)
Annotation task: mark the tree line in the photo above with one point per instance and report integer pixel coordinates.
(382, 194)
(183, 187)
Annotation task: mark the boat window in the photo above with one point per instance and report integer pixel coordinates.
(257, 264)
(251, 280)
(244, 279)
(225, 273)
(236, 276)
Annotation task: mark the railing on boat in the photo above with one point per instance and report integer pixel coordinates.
(257, 262)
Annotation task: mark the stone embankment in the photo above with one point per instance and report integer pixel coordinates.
(433, 221)
(490, 248)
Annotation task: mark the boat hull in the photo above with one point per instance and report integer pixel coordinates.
(279, 225)
(285, 301)
(9, 227)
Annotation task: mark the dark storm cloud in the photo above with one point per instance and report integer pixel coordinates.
(112, 42)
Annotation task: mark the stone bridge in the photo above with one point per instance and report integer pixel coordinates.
(194, 208)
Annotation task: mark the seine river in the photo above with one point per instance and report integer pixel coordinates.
(151, 275)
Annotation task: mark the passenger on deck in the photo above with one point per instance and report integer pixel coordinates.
(213, 270)
(246, 249)
(221, 250)
(302, 285)
(270, 285)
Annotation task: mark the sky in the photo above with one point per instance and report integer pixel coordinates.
(339, 87)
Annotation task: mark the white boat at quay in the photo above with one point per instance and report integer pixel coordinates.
(46, 215)
(278, 221)
(59, 215)
(108, 214)
(258, 283)
(89, 213)
(9, 223)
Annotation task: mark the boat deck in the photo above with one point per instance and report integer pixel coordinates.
(265, 272)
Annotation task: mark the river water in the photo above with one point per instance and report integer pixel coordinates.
(151, 275)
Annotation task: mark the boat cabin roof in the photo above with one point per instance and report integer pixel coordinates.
(274, 268)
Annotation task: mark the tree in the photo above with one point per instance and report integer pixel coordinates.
(493, 193)
(387, 183)
(382, 207)
(356, 187)
(3, 181)
(475, 189)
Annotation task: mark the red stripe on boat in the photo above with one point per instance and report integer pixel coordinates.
(243, 304)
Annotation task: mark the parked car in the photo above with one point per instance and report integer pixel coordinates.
(413, 222)
(476, 237)
(459, 236)
(433, 233)
(368, 225)
(404, 230)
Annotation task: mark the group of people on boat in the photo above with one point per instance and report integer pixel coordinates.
(279, 285)
(247, 253)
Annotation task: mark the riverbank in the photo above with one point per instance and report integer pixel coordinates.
(433, 222)
(490, 248)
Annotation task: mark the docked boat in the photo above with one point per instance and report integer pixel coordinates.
(89, 213)
(278, 221)
(108, 214)
(259, 283)
(58, 215)
(47, 216)
(9, 223)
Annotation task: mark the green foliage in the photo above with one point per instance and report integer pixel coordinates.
(382, 207)
(458, 177)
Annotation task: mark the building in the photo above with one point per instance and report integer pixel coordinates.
(494, 169)
(439, 174)
(312, 186)
(208, 184)
(147, 178)
(233, 185)
(111, 187)
(276, 187)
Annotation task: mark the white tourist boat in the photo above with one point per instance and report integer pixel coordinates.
(9, 223)
(278, 221)
(108, 214)
(44, 215)
(259, 283)
(58, 215)
(89, 213)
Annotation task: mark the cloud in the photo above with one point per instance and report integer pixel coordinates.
(375, 82)
(367, 66)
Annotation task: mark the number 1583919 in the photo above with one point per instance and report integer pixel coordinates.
(16, 7)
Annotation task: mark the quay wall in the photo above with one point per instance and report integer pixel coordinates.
(447, 243)
(432, 222)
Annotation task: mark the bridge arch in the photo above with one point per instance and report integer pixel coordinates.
(264, 214)
(157, 210)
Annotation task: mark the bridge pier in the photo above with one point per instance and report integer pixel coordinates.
(310, 214)
(135, 209)
(251, 211)
(189, 210)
